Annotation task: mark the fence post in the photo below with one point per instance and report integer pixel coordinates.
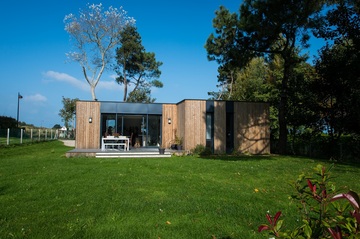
(31, 134)
(8, 137)
(45, 134)
(39, 134)
(21, 135)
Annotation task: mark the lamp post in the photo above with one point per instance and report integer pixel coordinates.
(17, 119)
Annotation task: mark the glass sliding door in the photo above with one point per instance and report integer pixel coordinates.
(108, 124)
(229, 132)
(119, 125)
(154, 130)
(132, 128)
(143, 130)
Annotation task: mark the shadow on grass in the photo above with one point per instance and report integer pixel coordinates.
(238, 157)
(3, 189)
(275, 157)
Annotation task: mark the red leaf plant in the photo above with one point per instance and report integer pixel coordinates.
(272, 224)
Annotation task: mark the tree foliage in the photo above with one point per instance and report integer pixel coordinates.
(141, 94)
(264, 28)
(258, 52)
(251, 82)
(7, 122)
(339, 97)
(95, 33)
(136, 67)
(56, 126)
(224, 48)
(68, 112)
(338, 85)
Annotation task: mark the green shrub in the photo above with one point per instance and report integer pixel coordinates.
(201, 150)
(323, 216)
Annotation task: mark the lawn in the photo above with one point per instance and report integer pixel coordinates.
(43, 194)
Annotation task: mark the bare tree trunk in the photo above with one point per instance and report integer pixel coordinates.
(125, 85)
(282, 147)
(92, 86)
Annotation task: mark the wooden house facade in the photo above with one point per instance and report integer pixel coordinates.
(222, 126)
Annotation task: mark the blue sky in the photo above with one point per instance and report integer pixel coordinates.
(33, 45)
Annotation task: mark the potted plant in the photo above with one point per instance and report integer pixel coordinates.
(161, 150)
(178, 142)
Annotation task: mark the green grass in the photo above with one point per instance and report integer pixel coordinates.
(43, 194)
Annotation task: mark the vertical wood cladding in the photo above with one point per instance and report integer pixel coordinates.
(169, 111)
(87, 134)
(188, 123)
(193, 125)
(181, 128)
(219, 126)
(251, 129)
(251, 126)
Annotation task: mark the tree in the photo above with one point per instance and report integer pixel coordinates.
(342, 21)
(338, 87)
(68, 112)
(56, 126)
(223, 48)
(265, 28)
(135, 65)
(301, 114)
(141, 94)
(7, 122)
(95, 34)
(339, 97)
(251, 82)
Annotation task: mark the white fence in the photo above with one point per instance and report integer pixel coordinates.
(19, 136)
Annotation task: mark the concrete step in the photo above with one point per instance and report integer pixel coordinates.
(132, 155)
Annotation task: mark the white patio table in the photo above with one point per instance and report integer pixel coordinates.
(115, 141)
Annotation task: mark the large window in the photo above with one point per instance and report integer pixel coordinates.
(154, 130)
(210, 131)
(209, 126)
(143, 130)
(108, 124)
(229, 132)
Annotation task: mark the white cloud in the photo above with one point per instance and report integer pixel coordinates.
(109, 85)
(113, 76)
(36, 98)
(63, 77)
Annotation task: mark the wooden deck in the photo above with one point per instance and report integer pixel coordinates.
(114, 153)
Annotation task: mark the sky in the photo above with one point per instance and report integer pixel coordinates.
(33, 46)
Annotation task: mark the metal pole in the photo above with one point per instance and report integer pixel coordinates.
(8, 137)
(18, 106)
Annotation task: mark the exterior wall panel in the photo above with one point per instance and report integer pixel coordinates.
(252, 127)
(169, 130)
(87, 134)
(194, 124)
(219, 127)
(188, 121)
(181, 111)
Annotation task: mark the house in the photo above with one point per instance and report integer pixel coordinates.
(222, 126)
